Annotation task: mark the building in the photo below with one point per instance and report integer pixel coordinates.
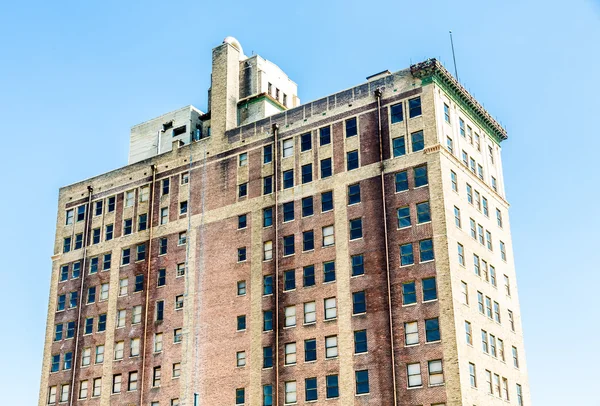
(363, 258)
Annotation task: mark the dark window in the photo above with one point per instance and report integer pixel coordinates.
(267, 185)
(421, 176)
(127, 226)
(94, 265)
(80, 213)
(307, 173)
(55, 363)
(62, 300)
(89, 325)
(308, 275)
(288, 179)
(359, 302)
(401, 181)
(70, 329)
(326, 170)
(406, 255)
(241, 322)
(162, 246)
(73, 300)
(354, 193)
(68, 362)
(242, 221)
(417, 141)
(179, 130)
(409, 293)
(328, 271)
(64, 273)
(307, 206)
(141, 252)
(351, 129)
(429, 289)
(399, 145)
(352, 160)
(362, 382)
(183, 208)
(143, 221)
(267, 153)
(289, 280)
(308, 240)
(160, 310)
(240, 396)
(268, 395)
(76, 271)
(267, 217)
(305, 142)
(332, 389)
(360, 342)
(356, 229)
(165, 186)
(98, 208)
(162, 277)
(358, 266)
(106, 261)
(403, 217)
(111, 203)
(267, 357)
(396, 113)
(288, 245)
(268, 320)
(58, 332)
(109, 232)
(241, 254)
(91, 297)
(326, 201)
(432, 330)
(96, 236)
(139, 283)
(78, 241)
(426, 248)
(310, 350)
(288, 211)
(243, 190)
(268, 285)
(125, 256)
(414, 107)
(102, 322)
(310, 389)
(423, 213)
(325, 135)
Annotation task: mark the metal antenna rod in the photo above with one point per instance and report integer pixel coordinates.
(453, 56)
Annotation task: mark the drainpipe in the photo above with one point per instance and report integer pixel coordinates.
(276, 223)
(80, 298)
(146, 281)
(378, 94)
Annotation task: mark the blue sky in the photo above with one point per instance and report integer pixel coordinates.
(75, 76)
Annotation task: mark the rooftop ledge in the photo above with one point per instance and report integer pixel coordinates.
(432, 70)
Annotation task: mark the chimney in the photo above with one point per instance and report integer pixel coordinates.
(225, 86)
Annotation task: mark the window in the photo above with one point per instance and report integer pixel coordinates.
(160, 310)
(426, 250)
(83, 390)
(241, 256)
(351, 127)
(268, 395)
(418, 142)
(310, 389)
(502, 251)
(359, 303)
(241, 323)
(267, 250)
(469, 194)
(96, 236)
(288, 245)
(488, 306)
(468, 333)
(324, 136)
(267, 357)
(121, 314)
(58, 332)
(288, 179)
(240, 359)
(99, 354)
(310, 312)
(331, 387)
(414, 107)
(241, 288)
(140, 252)
(351, 160)
(78, 241)
(268, 285)
(119, 347)
(93, 265)
(362, 382)
(472, 375)
(183, 208)
(423, 213)
(164, 215)
(401, 181)
(493, 351)
(308, 275)
(289, 280)
(457, 221)
(488, 239)
(288, 211)
(267, 154)
(477, 200)
(178, 302)
(185, 178)
(127, 226)
(411, 333)
(306, 173)
(67, 244)
(69, 217)
(358, 267)
(497, 384)
(494, 184)
(396, 113)
(511, 320)
(432, 330)
(132, 382)
(52, 395)
(156, 377)
(421, 176)
(436, 374)
(165, 186)
(267, 217)
(406, 255)
(268, 320)
(328, 236)
(306, 142)
(480, 233)
(501, 349)
(399, 146)
(55, 366)
(326, 168)
(73, 297)
(446, 113)
(64, 393)
(307, 206)
(290, 316)
(158, 342)
(243, 159)
(129, 198)
(139, 283)
(162, 246)
(465, 158)
(326, 201)
(328, 272)
(310, 350)
(108, 232)
(476, 265)
(290, 392)
(91, 296)
(429, 289)
(243, 190)
(86, 357)
(497, 312)
(409, 293)
(288, 147)
(354, 194)
(136, 316)
(403, 215)
(450, 144)
(472, 164)
(356, 229)
(413, 372)
(290, 353)
(89, 326)
(330, 308)
(161, 279)
(480, 171)
(61, 302)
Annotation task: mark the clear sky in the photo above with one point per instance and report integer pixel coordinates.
(76, 75)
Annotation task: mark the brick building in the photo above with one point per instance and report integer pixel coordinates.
(349, 251)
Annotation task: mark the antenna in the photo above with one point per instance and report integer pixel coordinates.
(453, 56)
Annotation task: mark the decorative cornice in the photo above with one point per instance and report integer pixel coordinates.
(432, 70)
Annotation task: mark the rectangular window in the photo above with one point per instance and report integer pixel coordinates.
(267, 250)
(268, 320)
(161, 278)
(308, 240)
(414, 107)
(331, 348)
(78, 241)
(132, 382)
(267, 357)
(328, 272)
(136, 314)
(446, 113)
(413, 372)
(406, 255)
(488, 240)
(289, 280)
(94, 265)
(64, 393)
(185, 178)
(306, 173)
(307, 206)
(83, 390)
(399, 146)
(310, 313)
(164, 215)
(426, 250)
(324, 135)
(243, 159)
(423, 213)
(328, 236)
(326, 201)
(356, 229)
(457, 221)
(288, 245)
(156, 376)
(436, 373)
(268, 285)
(468, 333)
(362, 382)
(472, 375)
(290, 392)
(241, 254)
(240, 359)
(119, 349)
(288, 147)
(352, 160)
(308, 275)
(494, 184)
(502, 251)
(140, 252)
(290, 353)
(183, 208)
(160, 310)
(351, 127)
(417, 140)
(305, 142)
(354, 194)
(288, 179)
(476, 265)
(178, 302)
(242, 191)
(432, 330)
(429, 289)
(396, 113)
(331, 387)
(472, 164)
(421, 176)
(465, 158)
(450, 144)
(326, 168)
(139, 283)
(411, 333)
(268, 217)
(358, 267)
(99, 355)
(359, 303)
(330, 308)
(403, 214)
(480, 302)
(288, 211)
(267, 154)
(158, 342)
(165, 186)
(469, 194)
